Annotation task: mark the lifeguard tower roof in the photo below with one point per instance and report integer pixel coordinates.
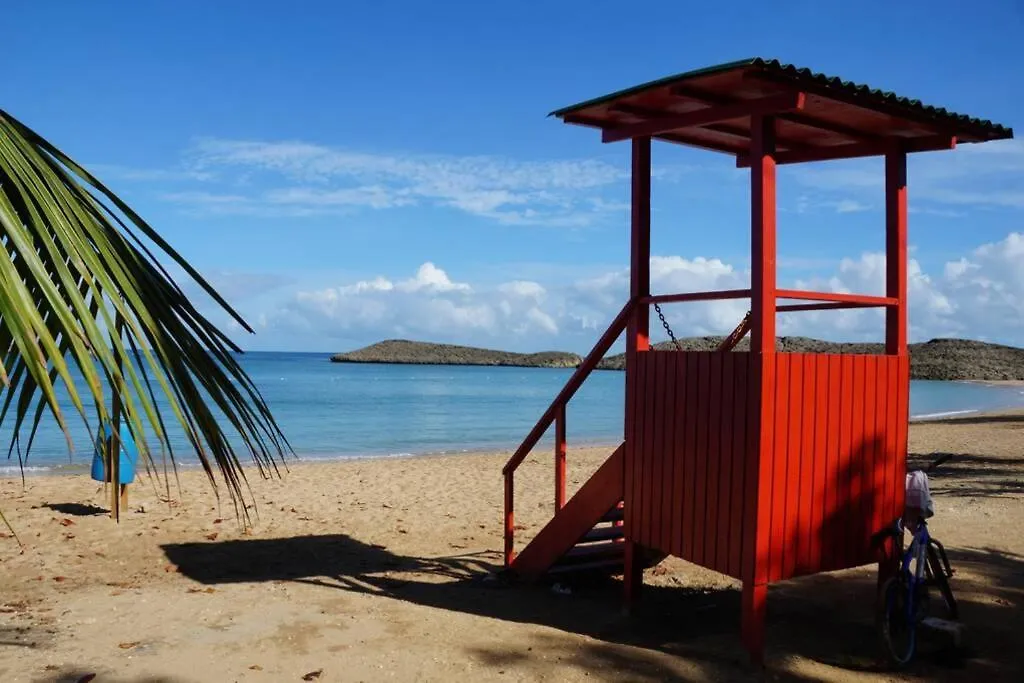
(834, 118)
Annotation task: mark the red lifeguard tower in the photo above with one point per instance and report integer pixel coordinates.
(760, 465)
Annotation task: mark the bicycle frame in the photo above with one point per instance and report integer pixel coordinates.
(917, 550)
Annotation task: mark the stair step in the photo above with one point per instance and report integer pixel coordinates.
(604, 533)
(609, 564)
(614, 515)
(601, 549)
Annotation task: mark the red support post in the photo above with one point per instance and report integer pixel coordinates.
(762, 347)
(896, 252)
(762, 234)
(896, 316)
(510, 519)
(640, 246)
(560, 453)
(637, 333)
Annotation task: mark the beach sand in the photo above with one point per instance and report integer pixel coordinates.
(374, 570)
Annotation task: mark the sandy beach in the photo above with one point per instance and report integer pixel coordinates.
(375, 570)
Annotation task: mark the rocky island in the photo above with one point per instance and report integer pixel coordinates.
(938, 359)
(423, 353)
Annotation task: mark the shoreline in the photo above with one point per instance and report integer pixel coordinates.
(291, 462)
(995, 382)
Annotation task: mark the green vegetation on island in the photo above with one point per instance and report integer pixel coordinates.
(938, 359)
(424, 353)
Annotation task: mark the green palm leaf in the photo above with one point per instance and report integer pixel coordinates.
(82, 294)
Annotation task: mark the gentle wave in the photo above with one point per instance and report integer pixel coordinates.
(947, 413)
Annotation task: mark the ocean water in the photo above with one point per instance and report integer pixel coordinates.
(339, 410)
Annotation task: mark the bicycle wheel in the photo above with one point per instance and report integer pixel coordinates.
(896, 626)
(940, 578)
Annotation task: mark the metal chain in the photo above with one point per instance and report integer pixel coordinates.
(668, 329)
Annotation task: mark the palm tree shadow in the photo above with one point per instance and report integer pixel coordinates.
(470, 583)
(77, 509)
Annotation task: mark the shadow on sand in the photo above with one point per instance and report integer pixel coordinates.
(77, 509)
(826, 617)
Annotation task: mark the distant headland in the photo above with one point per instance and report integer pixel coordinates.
(402, 351)
(938, 359)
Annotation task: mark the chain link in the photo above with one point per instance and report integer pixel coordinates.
(668, 329)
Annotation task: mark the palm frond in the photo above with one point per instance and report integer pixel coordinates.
(81, 294)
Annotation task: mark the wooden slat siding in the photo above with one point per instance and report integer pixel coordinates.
(830, 533)
(894, 484)
(651, 454)
(650, 402)
(629, 463)
(740, 456)
(643, 501)
(690, 412)
(808, 463)
(801, 493)
(822, 402)
(842, 474)
(777, 488)
(902, 427)
(713, 455)
(760, 470)
(670, 513)
(685, 420)
(885, 450)
(634, 518)
(679, 496)
(891, 428)
(667, 481)
(727, 428)
(833, 465)
(872, 458)
(643, 475)
(780, 484)
(659, 453)
(858, 456)
(701, 458)
(798, 408)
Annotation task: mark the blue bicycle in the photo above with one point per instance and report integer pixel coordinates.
(904, 600)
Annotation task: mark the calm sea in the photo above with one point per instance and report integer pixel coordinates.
(332, 410)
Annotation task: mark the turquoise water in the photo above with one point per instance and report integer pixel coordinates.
(332, 410)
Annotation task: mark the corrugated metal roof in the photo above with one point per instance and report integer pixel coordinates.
(824, 85)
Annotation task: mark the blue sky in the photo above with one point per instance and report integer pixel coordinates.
(347, 172)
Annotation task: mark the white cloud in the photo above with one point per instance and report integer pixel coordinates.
(981, 175)
(312, 179)
(523, 288)
(430, 278)
(109, 172)
(980, 296)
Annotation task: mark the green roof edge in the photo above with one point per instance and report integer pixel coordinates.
(848, 88)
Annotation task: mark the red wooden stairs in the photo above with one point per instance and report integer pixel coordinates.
(585, 534)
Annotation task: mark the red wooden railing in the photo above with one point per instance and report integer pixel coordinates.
(556, 413)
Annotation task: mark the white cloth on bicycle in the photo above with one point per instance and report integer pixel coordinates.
(918, 494)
